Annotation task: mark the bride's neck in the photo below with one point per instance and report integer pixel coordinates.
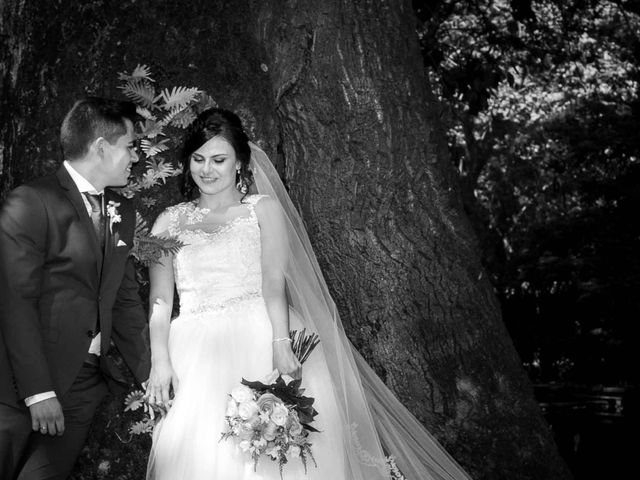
(219, 201)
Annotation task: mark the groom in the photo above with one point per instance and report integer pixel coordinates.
(67, 288)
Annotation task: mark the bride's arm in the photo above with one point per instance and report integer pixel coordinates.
(275, 255)
(162, 376)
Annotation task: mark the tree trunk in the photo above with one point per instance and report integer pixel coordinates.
(335, 88)
(368, 168)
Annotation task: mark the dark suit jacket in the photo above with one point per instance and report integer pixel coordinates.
(55, 282)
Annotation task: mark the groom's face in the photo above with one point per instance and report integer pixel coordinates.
(118, 158)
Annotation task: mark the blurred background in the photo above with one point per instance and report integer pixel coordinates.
(540, 101)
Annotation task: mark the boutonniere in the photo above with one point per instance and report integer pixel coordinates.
(112, 212)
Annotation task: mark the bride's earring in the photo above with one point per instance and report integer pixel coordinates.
(241, 185)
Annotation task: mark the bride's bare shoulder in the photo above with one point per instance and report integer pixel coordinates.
(256, 198)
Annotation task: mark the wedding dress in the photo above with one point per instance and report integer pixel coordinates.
(223, 334)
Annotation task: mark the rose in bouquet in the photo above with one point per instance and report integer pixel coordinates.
(273, 418)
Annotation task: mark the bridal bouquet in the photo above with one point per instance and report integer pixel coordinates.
(273, 419)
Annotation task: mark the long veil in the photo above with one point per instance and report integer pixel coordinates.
(375, 420)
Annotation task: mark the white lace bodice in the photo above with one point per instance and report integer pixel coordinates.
(219, 265)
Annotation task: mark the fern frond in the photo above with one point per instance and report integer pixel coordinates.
(205, 102)
(129, 190)
(160, 168)
(142, 227)
(132, 189)
(151, 129)
(150, 148)
(147, 180)
(148, 202)
(149, 249)
(139, 92)
(183, 118)
(145, 113)
(178, 97)
(168, 118)
(141, 72)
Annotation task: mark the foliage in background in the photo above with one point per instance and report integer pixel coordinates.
(164, 113)
(105, 456)
(541, 100)
(153, 186)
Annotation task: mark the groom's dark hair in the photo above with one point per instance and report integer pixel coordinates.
(91, 118)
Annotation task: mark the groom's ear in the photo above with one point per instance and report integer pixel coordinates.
(98, 146)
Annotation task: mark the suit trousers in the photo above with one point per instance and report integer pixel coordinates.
(29, 455)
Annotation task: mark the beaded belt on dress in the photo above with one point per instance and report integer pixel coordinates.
(205, 306)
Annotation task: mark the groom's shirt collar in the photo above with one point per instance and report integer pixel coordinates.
(82, 183)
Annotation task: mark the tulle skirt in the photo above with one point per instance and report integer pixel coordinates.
(211, 352)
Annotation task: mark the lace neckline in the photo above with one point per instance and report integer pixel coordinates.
(194, 216)
(196, 213)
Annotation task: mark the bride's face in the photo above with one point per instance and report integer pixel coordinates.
(213, 166)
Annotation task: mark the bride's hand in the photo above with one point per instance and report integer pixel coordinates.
(161, 379)
(285, 361)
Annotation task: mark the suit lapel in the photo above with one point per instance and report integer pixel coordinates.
(111, 235)
(75, 197)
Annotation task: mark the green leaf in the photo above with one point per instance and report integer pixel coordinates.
(145, 113)
(151, 129)
(141, 72)
(204, 102)
(160, 168)
(178, 97)
(153, 148)
(141, 228)
(149, 249)
(148, 201)
(183, 118)
(134, 400)
(139, 92)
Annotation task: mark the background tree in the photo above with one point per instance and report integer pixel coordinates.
(542, 127)
(336, 92)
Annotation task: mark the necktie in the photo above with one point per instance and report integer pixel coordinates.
(95, 200)
(97, 218)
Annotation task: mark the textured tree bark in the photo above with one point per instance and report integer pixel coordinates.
(336, 89)
(368, 169)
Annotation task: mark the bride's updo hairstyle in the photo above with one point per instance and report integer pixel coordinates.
(215, 122)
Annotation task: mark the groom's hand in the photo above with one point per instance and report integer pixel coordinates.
(47, 417)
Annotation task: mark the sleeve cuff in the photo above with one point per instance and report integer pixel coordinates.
(38, 397)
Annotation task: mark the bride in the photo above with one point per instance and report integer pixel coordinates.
(246, 276)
